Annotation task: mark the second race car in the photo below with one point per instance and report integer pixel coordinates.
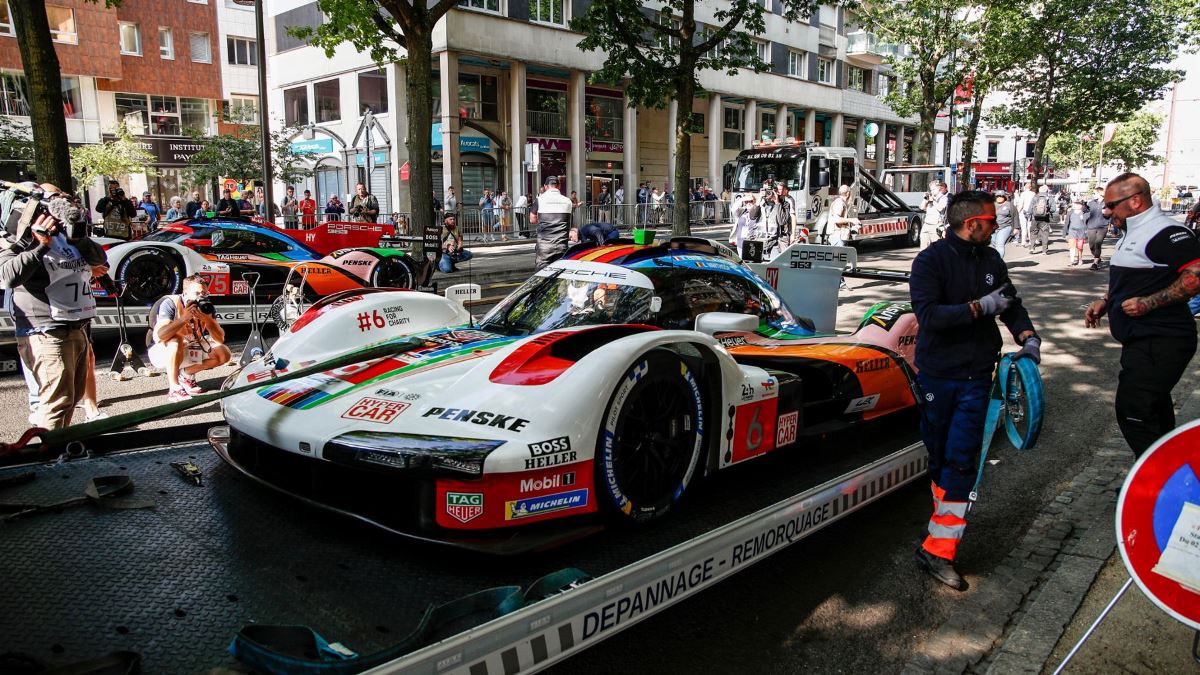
(609, 383)
(329, 257)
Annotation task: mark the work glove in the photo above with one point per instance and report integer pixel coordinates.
(1032, 349)
(995, 302)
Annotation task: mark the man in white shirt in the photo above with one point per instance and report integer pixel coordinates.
(1025, 209)
(934, 205)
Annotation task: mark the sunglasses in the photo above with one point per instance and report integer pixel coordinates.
(967, 221)
(1113, 204)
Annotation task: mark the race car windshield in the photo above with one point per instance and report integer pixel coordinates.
(549, 303)
(171, 236)
(687, 292)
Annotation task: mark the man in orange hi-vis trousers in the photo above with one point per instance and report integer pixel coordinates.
(959, 285)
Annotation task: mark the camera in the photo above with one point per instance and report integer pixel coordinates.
(120, 193)
(202, 304)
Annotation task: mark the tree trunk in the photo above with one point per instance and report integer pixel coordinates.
(1039, 150)
(418, 99)
(969, 141)
(49, 125)
(681, 224)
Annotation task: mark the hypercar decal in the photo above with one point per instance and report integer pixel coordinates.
(442, 348)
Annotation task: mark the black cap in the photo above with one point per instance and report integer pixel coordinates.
(552, 180)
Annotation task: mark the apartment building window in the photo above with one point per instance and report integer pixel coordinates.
(14, 94)
(199, 47)
(883, 85)
(762, 49)
(62, 24)
(675, 24)
(824, 71)
(485, 5)
(548, 11)
(72, 95)
(327, 96)
(131, 111)
(6, 24)
(766, 125)
(195, 115)
(731, 136)
(131, 38)
(164, 116)
(373, 92)
(243, 109)
(857, 79)
(241, 51)
(1030, 146)
(605, 118)
(993, 150)
(547, 113)
(796, 64)
(295, 106)
(166, 44)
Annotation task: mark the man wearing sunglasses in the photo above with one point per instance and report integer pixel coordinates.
(1153, 273)
(959, 285)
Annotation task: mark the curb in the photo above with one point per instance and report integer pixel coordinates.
(1014, 620)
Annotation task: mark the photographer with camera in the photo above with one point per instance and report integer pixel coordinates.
(48, 264)
(116, 212)
(187, 338)
(364, 207)
(959, 286)
(934, 204)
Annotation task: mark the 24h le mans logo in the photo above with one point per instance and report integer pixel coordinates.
(464, 506)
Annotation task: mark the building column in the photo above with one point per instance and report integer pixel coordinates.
(451, 162)
(398, 129)
(715, 133)
(516, 129)
(632, 172)
(860, 142)
(672, 124)
(750, 124)
(837, 138)
(781, 125)
(575, 122)
(810, 125)
(900, 149)
(881, 150)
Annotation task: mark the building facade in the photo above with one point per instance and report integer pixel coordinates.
(508, 74)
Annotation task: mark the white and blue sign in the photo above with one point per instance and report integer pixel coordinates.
(321, 146)
(536, 506)
(378, 158)
(465, 143)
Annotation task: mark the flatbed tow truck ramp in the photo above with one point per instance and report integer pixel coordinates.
(176, 582)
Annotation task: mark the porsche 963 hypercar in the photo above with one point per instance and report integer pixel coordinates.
(610, 382)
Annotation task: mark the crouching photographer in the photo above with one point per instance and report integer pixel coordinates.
(187, 338)
(48, 263)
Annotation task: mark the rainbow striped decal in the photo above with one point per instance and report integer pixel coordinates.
(442, 347)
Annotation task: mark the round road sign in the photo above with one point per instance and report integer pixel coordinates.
(1158, 523)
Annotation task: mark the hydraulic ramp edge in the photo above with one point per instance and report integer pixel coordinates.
(547, 632)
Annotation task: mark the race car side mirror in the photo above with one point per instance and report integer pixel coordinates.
(711, 323)
(463, 293)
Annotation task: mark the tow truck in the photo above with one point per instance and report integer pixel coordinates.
(176, 582)
(812, 174)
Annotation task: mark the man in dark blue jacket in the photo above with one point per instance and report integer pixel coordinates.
(959, 284)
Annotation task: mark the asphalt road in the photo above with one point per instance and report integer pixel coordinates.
(848, 599)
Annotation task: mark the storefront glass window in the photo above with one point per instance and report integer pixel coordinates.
(131, 110)
(605, 120)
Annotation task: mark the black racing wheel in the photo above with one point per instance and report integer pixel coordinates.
(392, 272)
(148, 274)
(651, 438)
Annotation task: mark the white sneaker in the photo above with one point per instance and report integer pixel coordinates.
(188, 383)
(177, 394)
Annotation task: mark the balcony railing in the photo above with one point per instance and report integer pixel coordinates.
(865, 47)
(552, 124)
(608, 129)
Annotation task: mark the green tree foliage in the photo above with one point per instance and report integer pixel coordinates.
(1132, 146)
(991, 60)
(938, 37)
(112, 159)
(16, 144)
(239, 155)
(1088, 62)
(385, 29)
(658, 49)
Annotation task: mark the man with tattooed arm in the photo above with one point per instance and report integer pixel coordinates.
(1155, 270)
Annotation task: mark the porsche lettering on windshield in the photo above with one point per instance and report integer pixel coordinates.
(480, 417)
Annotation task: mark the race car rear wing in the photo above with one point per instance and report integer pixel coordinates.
(807, 277)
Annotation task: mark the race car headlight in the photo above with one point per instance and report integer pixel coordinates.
(379, 450)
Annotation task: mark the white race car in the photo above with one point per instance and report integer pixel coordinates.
(609, 382)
